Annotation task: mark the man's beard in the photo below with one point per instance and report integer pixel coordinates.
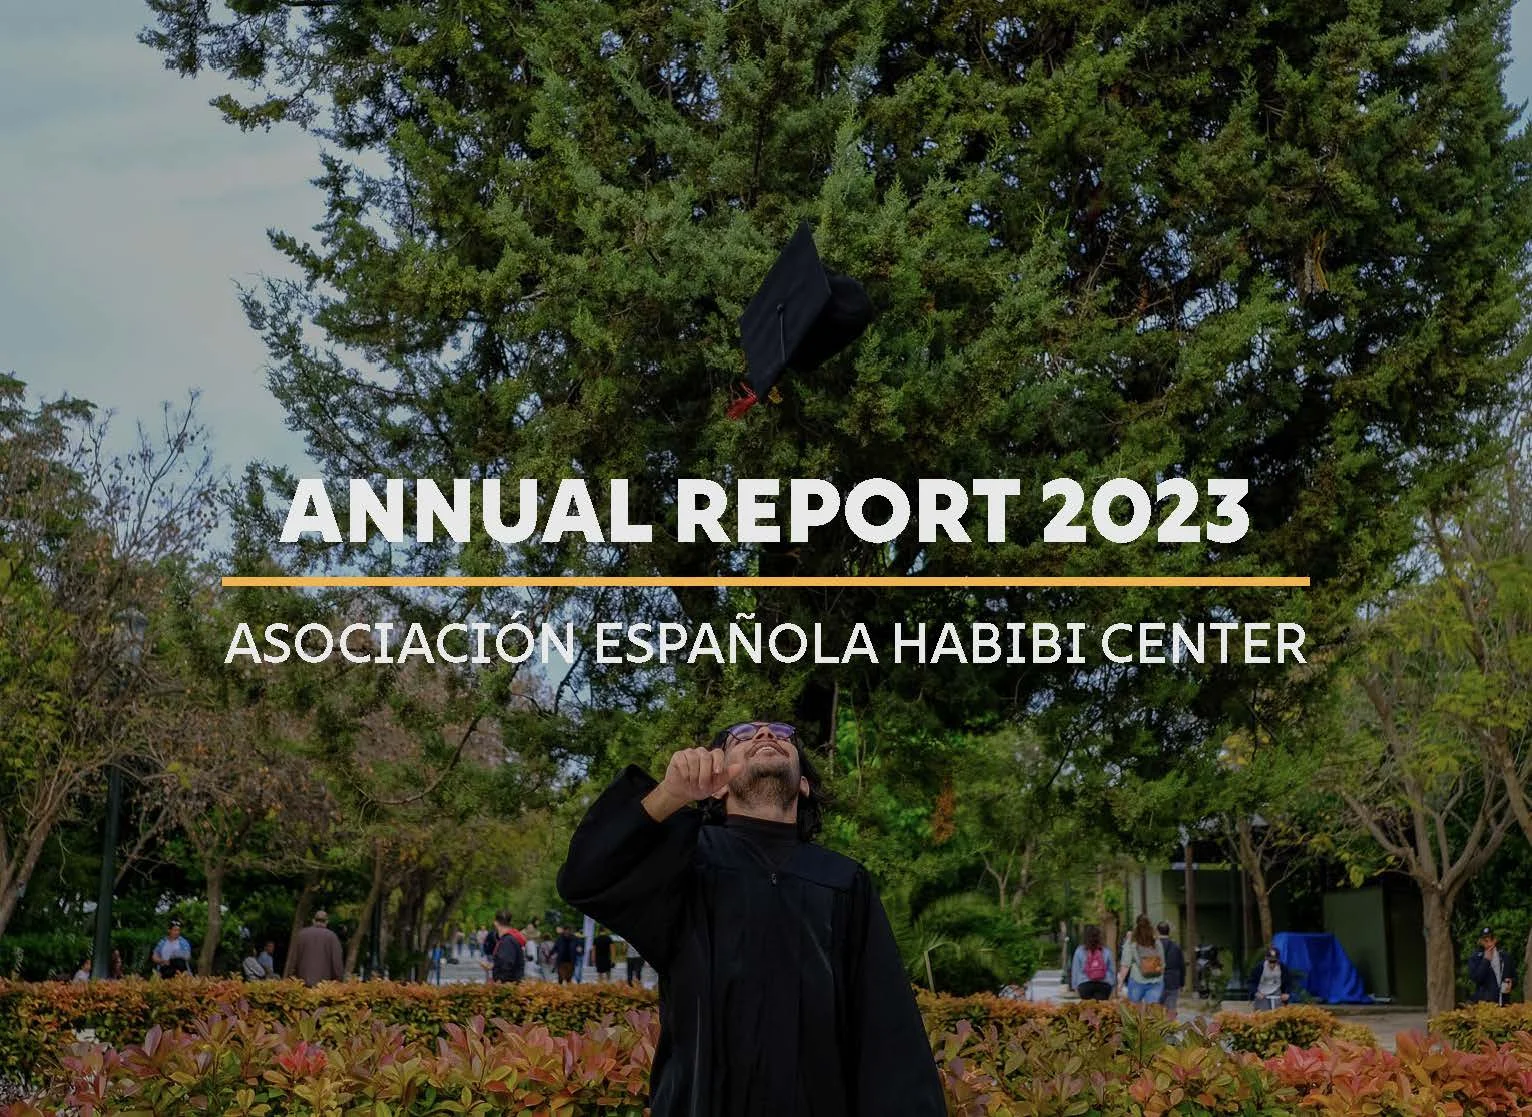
(776, 786)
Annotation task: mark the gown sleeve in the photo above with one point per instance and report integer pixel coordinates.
(895, 1069)
(628, 871)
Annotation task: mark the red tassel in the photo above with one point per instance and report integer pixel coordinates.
(743, 404)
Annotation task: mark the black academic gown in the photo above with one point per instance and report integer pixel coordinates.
(781, 989)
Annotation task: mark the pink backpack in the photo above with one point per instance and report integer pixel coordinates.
(1095, 965)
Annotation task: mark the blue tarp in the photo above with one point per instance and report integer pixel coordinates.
(1328, 974)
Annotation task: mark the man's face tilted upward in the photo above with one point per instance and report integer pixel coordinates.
(772, 772)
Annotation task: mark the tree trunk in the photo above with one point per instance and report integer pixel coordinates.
(1189, 939)
(412, 902)
(364, 918)
(301, 912)
(214, 923)
(1441, 959)
(1104, 917)
(1250, 859)
(1263, 908)
(17, 875)
(1526, 970)
(439, 934)
(10, 899)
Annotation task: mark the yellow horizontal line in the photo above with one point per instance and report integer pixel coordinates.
(664, 581)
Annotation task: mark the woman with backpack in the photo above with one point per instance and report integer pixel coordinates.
(1091, 971)
(1143, 965)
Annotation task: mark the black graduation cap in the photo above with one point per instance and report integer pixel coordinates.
(800, 318)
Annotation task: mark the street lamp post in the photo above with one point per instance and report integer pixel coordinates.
(134, 630)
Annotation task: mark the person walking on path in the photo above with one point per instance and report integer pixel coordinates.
(1090, 972)
(1270, 982)
(782, 989)
(1175, 969)
(509, 962)
(1143, 965)
(601, 954)
(530, 934)
(564, 955)
(316, 953)
(1493, 974)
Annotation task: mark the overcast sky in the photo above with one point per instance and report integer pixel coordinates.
(129, 212)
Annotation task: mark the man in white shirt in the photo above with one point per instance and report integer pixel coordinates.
(1270, 986)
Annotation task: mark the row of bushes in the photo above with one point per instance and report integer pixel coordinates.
(122, 1013)
(1146, 1067)
(1107, 1061)
(1265, 1033)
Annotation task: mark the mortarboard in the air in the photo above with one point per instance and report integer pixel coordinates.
(800, 318)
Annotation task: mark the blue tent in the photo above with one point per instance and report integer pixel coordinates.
(1328, 974)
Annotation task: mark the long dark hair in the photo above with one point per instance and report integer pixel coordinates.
(811, 807)
(1092, 937)
(1143, 932)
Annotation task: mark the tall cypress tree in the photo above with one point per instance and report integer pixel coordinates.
(1279, 241)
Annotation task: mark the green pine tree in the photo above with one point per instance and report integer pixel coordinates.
(1280, 241)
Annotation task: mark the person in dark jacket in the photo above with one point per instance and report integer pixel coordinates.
(782, 993)
(1175, 968)
(601, 954)
(565, 951)
(1492, 972)
(317, 954)
(509, 961)
(1270, 983)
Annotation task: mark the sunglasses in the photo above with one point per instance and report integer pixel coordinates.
(746, 730)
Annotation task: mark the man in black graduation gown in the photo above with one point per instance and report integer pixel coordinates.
(781, 989)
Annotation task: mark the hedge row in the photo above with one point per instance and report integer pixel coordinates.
(1137, 1063)
(123, 1012)
(1263, 1033)
(1147, 1067)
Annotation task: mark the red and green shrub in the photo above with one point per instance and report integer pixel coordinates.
(121, 1013)
(32, 1016)
(1424, 1077)
(232, 1066)
(1097, 1060)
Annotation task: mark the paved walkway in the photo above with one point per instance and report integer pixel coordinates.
(467, 971)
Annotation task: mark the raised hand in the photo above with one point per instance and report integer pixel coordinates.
(692, 774)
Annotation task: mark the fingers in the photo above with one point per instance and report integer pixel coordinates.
(719, 773)
(697, 773)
